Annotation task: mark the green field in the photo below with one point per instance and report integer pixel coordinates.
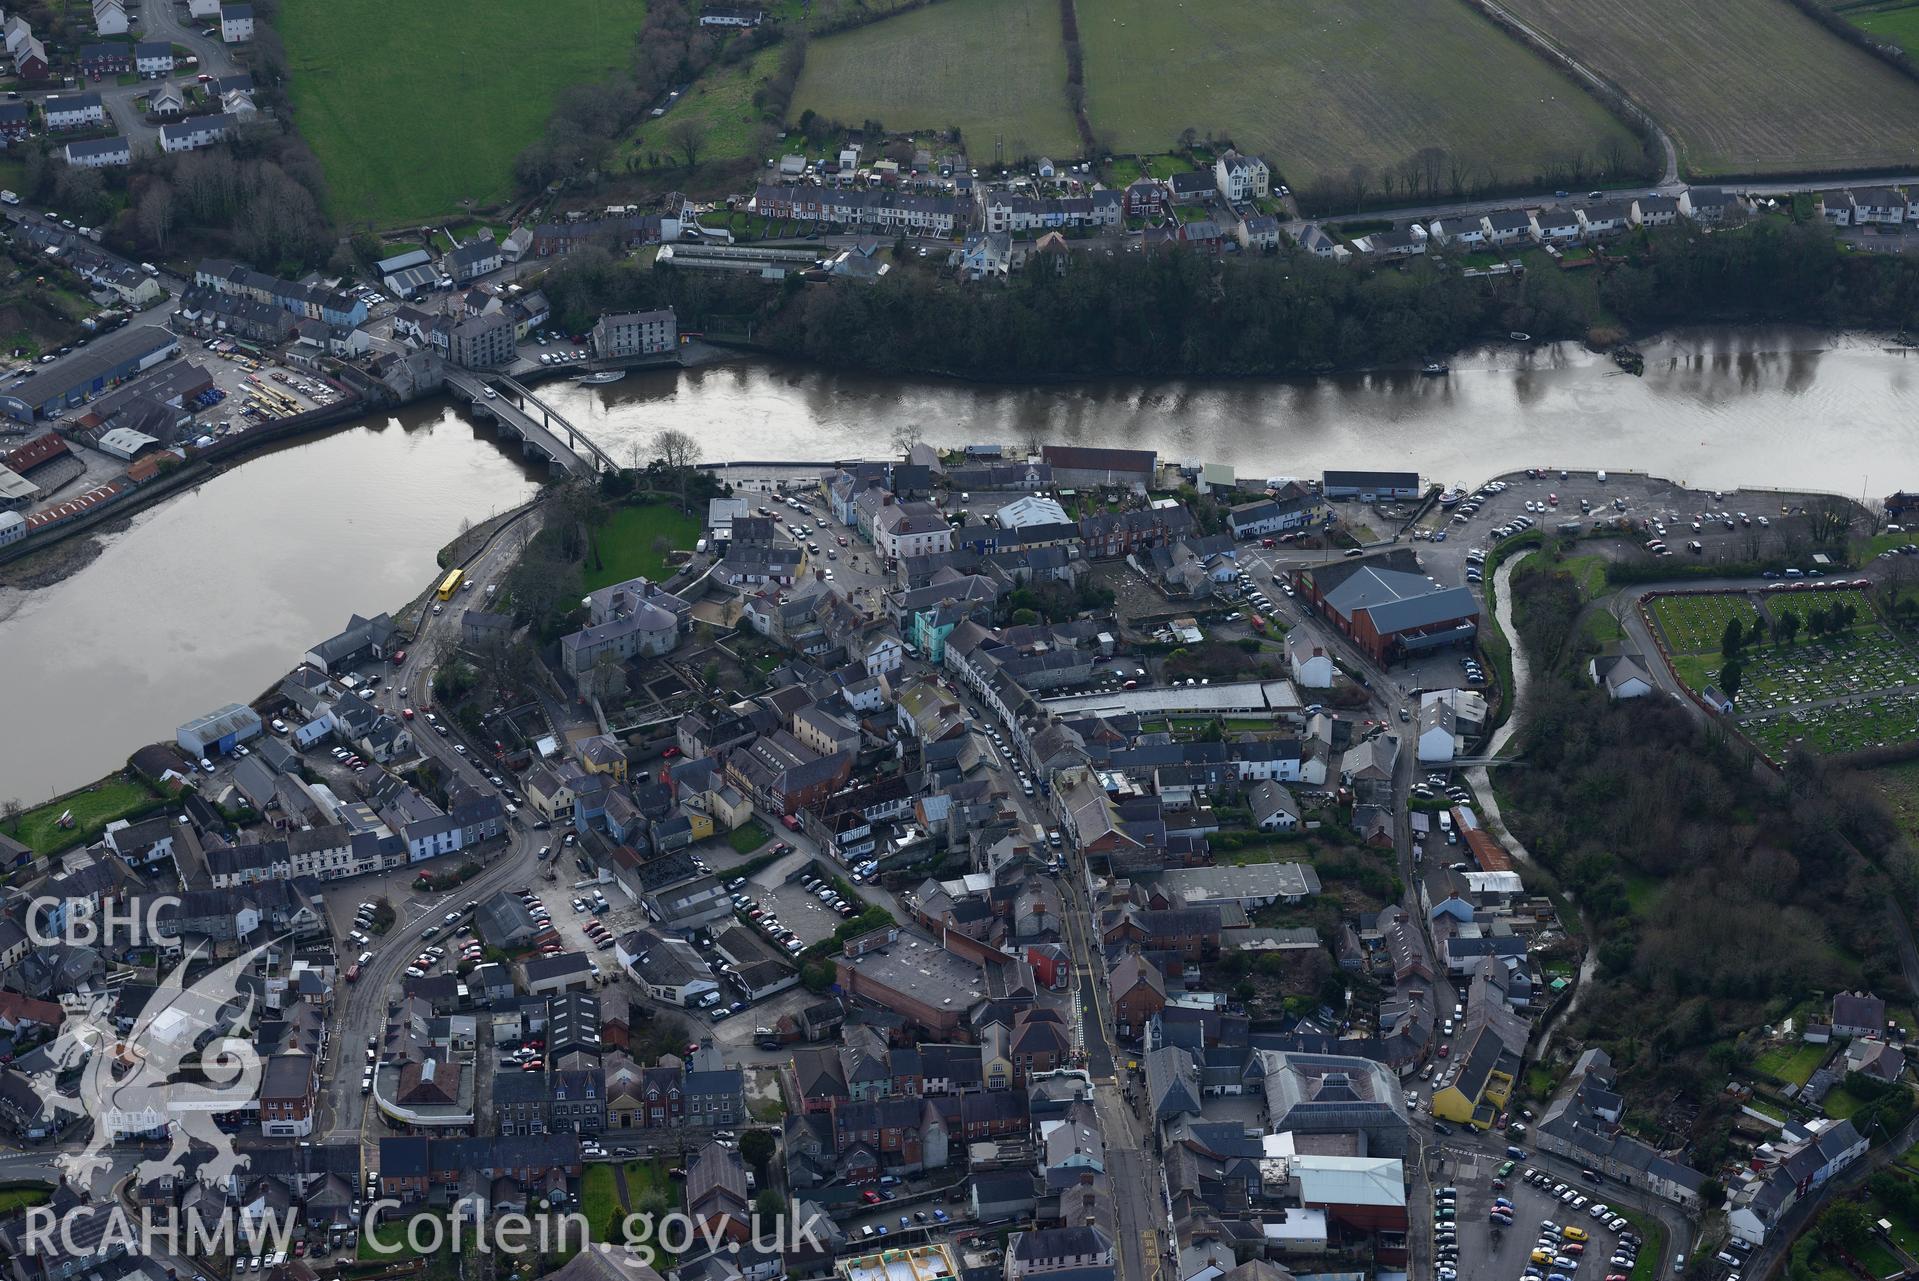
(1743, 86)
(416, 107)
(93, 809)
(1319, 86)
(625, 544)
(1897, 21)
(721, 103)
(993, 69)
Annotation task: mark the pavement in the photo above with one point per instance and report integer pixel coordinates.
(508, 861)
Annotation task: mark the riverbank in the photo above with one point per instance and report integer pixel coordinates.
(1253, 412)
(215, 594)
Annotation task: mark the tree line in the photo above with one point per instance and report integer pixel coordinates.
(1180, 313)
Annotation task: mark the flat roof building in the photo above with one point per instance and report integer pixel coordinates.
(915, 978)
(1254, 885)
(109, 359)
(1369, 486)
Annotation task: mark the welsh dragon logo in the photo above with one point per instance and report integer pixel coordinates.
(127, 1080)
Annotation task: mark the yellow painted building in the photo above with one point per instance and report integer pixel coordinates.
(1485, 1082)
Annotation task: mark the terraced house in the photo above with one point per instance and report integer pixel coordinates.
(887, 211)
(1006, 211)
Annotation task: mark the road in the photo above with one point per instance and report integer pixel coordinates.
(362, 1012)
(161, 20)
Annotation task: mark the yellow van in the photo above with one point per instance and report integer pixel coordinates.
(1573, 1233)
(1542, 1256)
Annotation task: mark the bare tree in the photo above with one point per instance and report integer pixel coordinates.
(678, 452)
(1615, 158)
(155, 213)
(905, 437)
(688, 135)
(675, 448)
(1361, 179)
(1431, 162)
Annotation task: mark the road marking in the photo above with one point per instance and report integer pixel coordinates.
(1149, 1252)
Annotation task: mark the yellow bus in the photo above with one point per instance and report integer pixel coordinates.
(451, 583)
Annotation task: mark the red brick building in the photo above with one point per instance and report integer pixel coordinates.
(1388, 607)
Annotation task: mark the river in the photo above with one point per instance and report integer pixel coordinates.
(1719, 407)
(209, 597)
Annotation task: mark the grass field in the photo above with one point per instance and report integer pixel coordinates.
(1743, 86)
(1897, 21)
(410, 136)
(993, 69)
(625, 544)
(1322, 85)
(722, 103)
(40, 831)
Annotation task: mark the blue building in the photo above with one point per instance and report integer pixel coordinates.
(108, 361)
(218, 732)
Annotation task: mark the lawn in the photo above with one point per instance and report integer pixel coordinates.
(748, 836)
(1320, 86)
(1877, 1259)
(93, 809)
(721, 103)
(1744, 86)
(1793, 1064)
(626, 544)
(393, 1234)
(993, 69)
(1603, 629)
(600, 1200)
(467, 88)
